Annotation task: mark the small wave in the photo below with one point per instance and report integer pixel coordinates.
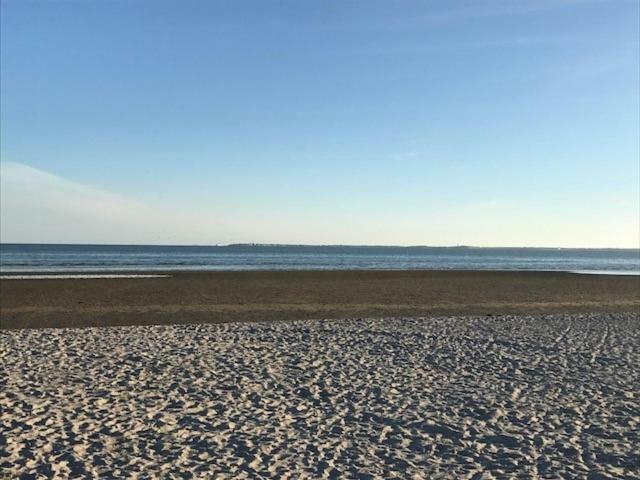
(82, 276)
(606, 272)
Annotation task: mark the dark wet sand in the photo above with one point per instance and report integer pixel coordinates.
(264, 296)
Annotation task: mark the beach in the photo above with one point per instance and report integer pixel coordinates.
(333, 374)
(212, 297)
(515, 396)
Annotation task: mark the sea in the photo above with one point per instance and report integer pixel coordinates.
(106, 259)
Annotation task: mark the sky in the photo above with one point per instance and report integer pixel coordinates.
(487, 123)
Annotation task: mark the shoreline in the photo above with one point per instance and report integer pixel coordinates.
(142, 273)
(221, 297)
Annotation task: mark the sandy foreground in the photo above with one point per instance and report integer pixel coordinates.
(544, 396)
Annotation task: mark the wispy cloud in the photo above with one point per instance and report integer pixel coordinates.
(447, 12)
(515, 42)
(40, 206)
(479, 9)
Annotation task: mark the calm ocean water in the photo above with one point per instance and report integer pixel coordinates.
(109, 258)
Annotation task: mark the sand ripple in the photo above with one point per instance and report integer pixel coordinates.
(483, 397)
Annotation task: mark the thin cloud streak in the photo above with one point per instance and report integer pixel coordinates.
(474, 11)
(39, 205)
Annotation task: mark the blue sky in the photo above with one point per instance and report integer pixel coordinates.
(361, 122)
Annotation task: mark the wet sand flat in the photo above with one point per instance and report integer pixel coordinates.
(517, 396)
(257, 296)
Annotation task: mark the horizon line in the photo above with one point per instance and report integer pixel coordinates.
(330, 245)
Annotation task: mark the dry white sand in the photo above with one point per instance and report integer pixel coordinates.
(522, 396)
